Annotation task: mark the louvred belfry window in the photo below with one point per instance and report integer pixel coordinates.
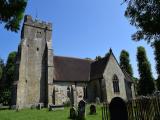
(116, 84)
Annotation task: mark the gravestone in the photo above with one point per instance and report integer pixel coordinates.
(17, 108)
(33, 106)
(40, 106)
(81, 110)
(92, 109)
(118, 109)
(73, 113)
(1, 104)
(73, 96)
(97, 100)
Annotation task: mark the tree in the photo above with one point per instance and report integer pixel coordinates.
(11, 13)
(1, 72)
(146, 84)
(1, 68)
(135, 84)
(107, 54)
(157, 59)
(10, 68)
(98, 58)
(5, 96)
(87, 58)
(145, 16)
(125, 62)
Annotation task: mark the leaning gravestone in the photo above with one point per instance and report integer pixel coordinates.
(73, 113)
(81, 110)
(92, 109)
(97, 100)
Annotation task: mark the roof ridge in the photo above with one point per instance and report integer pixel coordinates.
(68, 57)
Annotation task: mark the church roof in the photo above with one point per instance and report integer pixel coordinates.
(98, 67)
(127, 76)
(80, 70)
(71, 69)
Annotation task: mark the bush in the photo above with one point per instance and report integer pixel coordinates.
(5, 96)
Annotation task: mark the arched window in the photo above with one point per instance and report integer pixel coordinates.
(115, 84)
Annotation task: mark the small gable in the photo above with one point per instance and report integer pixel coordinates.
(98, 67)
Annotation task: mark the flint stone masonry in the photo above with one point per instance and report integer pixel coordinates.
(68, 92)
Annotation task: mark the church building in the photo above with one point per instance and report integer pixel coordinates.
(42, 77)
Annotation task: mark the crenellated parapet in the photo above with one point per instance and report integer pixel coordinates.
(28, 20)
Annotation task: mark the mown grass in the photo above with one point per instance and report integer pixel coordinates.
(44, 114)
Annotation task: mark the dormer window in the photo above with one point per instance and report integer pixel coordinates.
(115, 84)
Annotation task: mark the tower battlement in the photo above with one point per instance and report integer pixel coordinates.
(28, 20)
(33, 29)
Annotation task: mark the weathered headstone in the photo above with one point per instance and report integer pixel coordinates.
(1, 104)
(73, 96)
(97, 100)
(40, 106)
(17, 108)
(55, 107)
(33, 106)
(92, 109)
(81, 110)
(73, 113)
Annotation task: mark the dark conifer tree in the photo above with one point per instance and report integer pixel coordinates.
(157, 59)
(125, 62)
(10, 68)
(98, 58)
(146, 83)
(1, 68)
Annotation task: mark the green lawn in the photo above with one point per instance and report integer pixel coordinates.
(44, 114)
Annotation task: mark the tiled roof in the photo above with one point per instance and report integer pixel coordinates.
(80, 70)
(71, 69)
(98, 67)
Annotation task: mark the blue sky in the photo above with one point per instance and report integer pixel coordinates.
(82, 28)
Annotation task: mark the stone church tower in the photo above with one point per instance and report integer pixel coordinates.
(34, 66)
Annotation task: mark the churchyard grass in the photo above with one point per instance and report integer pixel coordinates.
(44, 114)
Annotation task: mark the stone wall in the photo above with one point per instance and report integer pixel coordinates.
(94, 90)
(68, 92)
(33, 71)
(111, 69)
